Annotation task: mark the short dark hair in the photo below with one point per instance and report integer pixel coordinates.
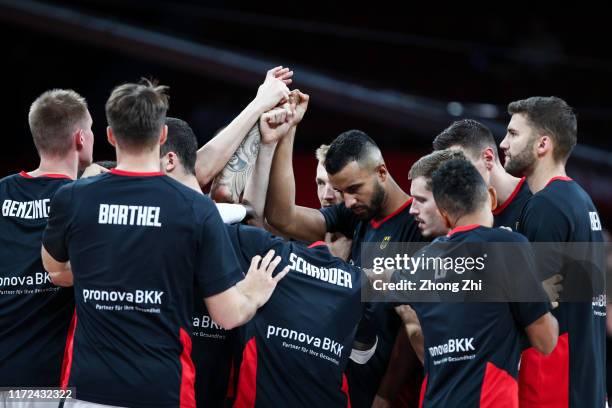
(553, 116)
(136, 113)
(426, 165)
(458, 187)
(53, 117)
(468, 134)
(182, 141)
(352, 145)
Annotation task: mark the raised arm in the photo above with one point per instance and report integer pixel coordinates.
(276, 124)
(281, 211)
(213, 156)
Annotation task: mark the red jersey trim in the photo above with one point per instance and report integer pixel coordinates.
(376, 224)
(345, 390)
(22, 173)
(506, 203)
(559, 178)
(316, 244)
(423, 391)
(68, 352)
(136, 173)
(499, 389)
(544, 380)
(247, 379)
(462, 228)
(187, 395)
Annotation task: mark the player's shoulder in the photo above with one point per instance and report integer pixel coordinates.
(249, 232)
(504, 235)
(11, 178)
(543, 202)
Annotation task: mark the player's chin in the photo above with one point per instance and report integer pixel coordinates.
(362, 214)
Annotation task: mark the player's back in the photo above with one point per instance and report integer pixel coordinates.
(136, 243)
(298, 344)
(35, 314)
(564, 213)
(472, 348)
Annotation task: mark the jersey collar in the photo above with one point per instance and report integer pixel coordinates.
(463, 228)
(506, 203)
(49, 175)
(559, 178)
(377, 223)
(135, 173)
(317, 244)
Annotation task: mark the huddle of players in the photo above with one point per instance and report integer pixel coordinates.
(296, 349)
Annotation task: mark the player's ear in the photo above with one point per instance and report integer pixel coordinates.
(543, 145)
(164, 135)
(79, 139)
(110, 136)
(169, 161)
(489, 158)
(492, 197)
(381, 172)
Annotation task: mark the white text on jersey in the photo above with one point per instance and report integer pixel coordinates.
(29, 210)
(332, 275)
(140, 215)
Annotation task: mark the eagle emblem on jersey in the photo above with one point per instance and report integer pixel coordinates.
(385, 242)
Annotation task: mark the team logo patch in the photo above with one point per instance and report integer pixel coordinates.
(385, 242)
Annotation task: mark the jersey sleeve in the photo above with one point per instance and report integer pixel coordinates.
(523, 284)
(338, 218)
(217, 267)
(60, 216)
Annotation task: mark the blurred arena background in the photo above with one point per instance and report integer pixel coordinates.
(399, 77)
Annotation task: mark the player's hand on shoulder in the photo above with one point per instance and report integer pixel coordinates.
(553, 287)
(259, 284)
(93, 170)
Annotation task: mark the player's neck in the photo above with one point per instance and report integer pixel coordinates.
(191, 181)
(140, 163)
(51, 165)
(543, 172)
(503, 183)
(395, 198)
(482, 217)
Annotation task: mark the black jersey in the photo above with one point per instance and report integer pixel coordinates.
(298, 344)
(574, 374)
(508, 213)
(212, 352)
(136, 243)
(472, 349)
(400, 226)
(34, 313)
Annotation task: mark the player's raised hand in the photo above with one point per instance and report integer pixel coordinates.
(274, 89)
(259, 284)
(275, 124)
(282, 73)
(299, 103)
